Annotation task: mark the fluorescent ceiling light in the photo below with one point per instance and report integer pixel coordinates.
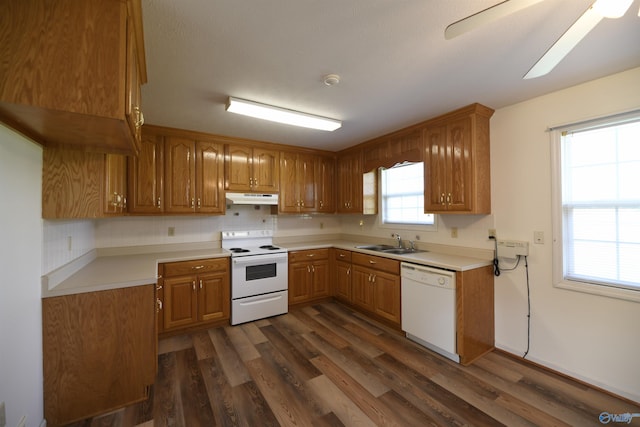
(612, 8)
(281, 115)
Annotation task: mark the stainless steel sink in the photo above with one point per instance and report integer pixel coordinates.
(378, 248)
(388, 249)
(401, 251)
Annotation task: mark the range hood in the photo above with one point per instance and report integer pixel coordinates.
(252, 199)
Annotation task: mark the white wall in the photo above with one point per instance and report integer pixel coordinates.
(20, 260)
(590, 337)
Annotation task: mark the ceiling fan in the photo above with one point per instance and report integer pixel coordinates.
(586, 22)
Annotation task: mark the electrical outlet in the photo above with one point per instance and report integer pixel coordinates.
(492, 233)
(538, 237)
(454, 232)
(171, 231)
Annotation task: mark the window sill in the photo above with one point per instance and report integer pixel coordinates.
(602, 290)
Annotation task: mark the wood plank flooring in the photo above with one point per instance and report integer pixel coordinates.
(325, 365)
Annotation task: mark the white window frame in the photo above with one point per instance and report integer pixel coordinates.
(559, 280)
(400, 226)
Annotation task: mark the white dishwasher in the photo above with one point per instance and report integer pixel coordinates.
(429, 308)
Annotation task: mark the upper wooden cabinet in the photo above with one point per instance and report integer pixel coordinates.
(298, 183)
(193, 176)
(71, 72)
(325, 184)
(79, 184)
(251, 169)
(146, 174)
(457, 165)
(357, 190)
(177, 171)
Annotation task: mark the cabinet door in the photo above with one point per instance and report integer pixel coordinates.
(180, 302)
(133, 112)
(265, 170)
(349, 183)
(307, 183)
(361, 292)
(115, 184)
(434, 169)
(213, 297)
(179, 175)
(238, 168)
(325, 185)
(459, 166)
(320, 270)
(209, 175)
(343, 281)
(289, 193)
(386, 298)
(300, 282)
(146, 176)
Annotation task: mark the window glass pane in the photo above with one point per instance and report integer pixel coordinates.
(600, 170)
(403, 195)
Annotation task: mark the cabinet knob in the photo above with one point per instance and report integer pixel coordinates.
(449, 198)
(193, 285)
(158, 204)
(199, 203)
(349, 271)
(372, 262)
(197, 267)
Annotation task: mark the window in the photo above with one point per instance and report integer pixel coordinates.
(402, 189)
(597, 206)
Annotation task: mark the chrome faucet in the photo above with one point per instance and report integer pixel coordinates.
(398, 238)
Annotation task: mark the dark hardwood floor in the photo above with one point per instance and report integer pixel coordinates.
(325, 365)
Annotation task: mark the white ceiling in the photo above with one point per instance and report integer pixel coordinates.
(396, 67)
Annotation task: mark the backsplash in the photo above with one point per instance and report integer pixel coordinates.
(154, 230)
(65, 240)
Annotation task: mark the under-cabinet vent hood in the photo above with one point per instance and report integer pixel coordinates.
(252, 199)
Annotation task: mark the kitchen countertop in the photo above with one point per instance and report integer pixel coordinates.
(427, 258)
(117, 269)
(112, 268)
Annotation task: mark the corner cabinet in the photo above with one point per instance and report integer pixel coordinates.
(298, 183)
(457, 162)
(251, 169)
(99, 352)
(146, 174)
(357, 189)
(72, 71)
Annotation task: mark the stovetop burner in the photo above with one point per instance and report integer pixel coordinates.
(239, 250)
(269, 247)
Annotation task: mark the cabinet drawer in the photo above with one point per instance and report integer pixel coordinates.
(342, 255)
(308, 255)
(379, 263)
(183, 268)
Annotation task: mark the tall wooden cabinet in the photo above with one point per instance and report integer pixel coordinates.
(457, 162)
(71, 72)
(251, 169)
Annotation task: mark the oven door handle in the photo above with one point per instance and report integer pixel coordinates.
(260, 259)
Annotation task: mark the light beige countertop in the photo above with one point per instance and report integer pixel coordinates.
(112, 268)
(440, 256)
(115, 268)
(449, 261)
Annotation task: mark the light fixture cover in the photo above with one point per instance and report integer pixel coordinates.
(612, 8)
(281, 115)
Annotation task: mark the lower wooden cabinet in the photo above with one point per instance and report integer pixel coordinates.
(99, 352)
(342, 275)
(375, 285)
(308, 275)
(194, 293)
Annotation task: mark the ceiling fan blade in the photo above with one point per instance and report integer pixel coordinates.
(486, 16)
(565, 43)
